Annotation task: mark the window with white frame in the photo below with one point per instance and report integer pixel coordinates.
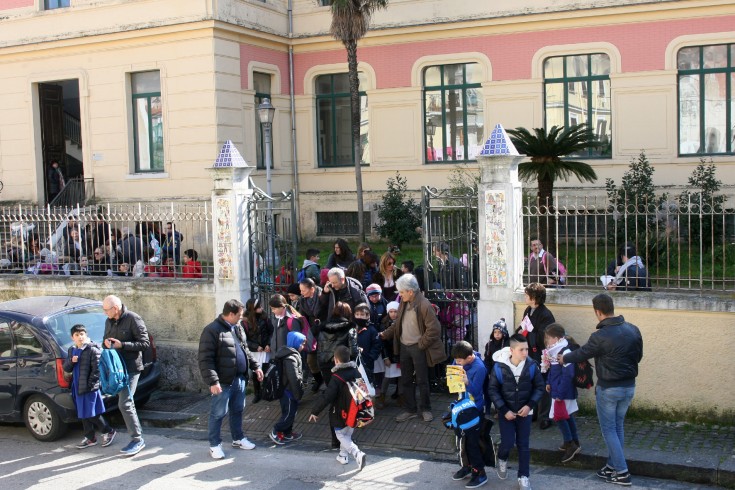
(56, 4)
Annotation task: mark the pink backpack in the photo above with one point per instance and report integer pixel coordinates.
(560, 269)
(306, 330)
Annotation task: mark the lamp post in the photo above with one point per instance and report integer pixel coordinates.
(266, 112)
(431, 130)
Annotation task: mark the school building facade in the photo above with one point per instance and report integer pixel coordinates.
(139, 95)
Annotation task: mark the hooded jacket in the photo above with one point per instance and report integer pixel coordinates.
(617, 347)
(338, 331)
(89, 367)
(511, 394)
(336, 395)
(293, 375)
(476, 374)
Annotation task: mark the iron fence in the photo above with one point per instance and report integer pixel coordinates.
(151, 240)
(685, 243)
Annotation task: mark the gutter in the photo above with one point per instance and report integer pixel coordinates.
(294, 154)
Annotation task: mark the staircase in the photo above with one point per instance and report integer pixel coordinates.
(78, 190)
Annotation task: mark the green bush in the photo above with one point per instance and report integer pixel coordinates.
(400, 216)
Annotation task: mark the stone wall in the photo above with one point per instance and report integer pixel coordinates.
(686, 369)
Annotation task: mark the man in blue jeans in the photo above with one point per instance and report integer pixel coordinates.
(617, 347)
(224, 359)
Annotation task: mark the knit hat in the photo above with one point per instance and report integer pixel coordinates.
(294, 289)
(500, 325)
(393, 305)
(373, 289)
(295, 339)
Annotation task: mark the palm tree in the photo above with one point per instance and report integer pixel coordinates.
(350, 22)
(547, 166)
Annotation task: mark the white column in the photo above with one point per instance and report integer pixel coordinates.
(230, 226)
(500, 231)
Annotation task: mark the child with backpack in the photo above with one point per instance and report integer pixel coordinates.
(83, 359)
(288, 360)
(367, 339)
(468, 439)
(392, 374)
(516, 386)
(560, 384)
(339, 398)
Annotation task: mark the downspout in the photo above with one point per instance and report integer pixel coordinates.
(294, 155)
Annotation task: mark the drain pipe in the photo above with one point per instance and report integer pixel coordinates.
(294, 155)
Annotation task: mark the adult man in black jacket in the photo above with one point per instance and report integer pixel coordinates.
(340, 288)
(224, 359)
(617, 347)
(126, 332)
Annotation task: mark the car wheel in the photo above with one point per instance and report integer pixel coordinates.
(42, 420)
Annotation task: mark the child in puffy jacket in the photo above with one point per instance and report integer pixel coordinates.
(83, 360)
(292, 374)
(560, 385)
(367, 339)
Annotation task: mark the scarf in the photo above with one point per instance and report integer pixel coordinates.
(549, 355)
(630, 262)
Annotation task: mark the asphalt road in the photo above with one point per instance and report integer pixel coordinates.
(174, 459)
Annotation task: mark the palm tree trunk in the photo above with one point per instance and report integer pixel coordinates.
(351, 47)
(547, 215)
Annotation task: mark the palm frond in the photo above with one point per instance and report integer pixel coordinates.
(351, 18)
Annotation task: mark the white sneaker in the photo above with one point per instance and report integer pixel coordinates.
(216, 452)
(502, 469)
(343, 459)
(243, 444)
(361, 460)
(523, 483)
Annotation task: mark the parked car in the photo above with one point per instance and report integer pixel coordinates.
(34, 340)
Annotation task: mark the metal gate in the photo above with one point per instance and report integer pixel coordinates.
(273, 243)
(451, 261)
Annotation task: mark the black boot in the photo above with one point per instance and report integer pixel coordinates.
(318, 380)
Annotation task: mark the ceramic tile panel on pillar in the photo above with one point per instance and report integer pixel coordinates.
(500, 232)
(230, 195)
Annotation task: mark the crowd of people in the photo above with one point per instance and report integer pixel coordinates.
(98, 249)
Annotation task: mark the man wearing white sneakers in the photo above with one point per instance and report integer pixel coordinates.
(224, 359)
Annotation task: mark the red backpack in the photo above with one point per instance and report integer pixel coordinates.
(360, 410)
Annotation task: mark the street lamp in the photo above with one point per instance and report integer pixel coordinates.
(266, 112)
(431, 130)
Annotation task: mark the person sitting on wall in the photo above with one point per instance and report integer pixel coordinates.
(542, 266)
(632, 275)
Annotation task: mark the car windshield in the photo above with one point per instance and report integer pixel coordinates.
(92, 317)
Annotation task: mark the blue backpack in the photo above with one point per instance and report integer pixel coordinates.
(464, 414)
(113, 373)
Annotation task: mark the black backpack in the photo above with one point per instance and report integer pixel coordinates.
(271, 388)
(582, 371)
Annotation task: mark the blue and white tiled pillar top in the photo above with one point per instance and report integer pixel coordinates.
(500, 230)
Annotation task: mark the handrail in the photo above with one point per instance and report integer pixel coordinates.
(72, 129)
(76, 191)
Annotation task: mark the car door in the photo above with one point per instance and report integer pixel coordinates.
(35, 372)
(8, 366)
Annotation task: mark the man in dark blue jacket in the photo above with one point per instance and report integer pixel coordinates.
(617, 347)
(224, 359)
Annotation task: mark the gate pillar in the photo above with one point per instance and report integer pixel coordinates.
(230, 194)
(500, 231)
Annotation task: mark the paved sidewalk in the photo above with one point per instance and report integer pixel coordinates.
(678, 451)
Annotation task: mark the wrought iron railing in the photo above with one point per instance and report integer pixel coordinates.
(121, 240)
(683, 243)
(72, 129)
(77, 191)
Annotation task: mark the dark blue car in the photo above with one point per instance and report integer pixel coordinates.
(34, 339)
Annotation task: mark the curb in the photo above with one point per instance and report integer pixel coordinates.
(149, 418)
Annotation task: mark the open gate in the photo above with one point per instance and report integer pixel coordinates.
(273, 243)
(451, 261)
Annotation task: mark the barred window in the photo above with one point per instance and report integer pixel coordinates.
(340, 223)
